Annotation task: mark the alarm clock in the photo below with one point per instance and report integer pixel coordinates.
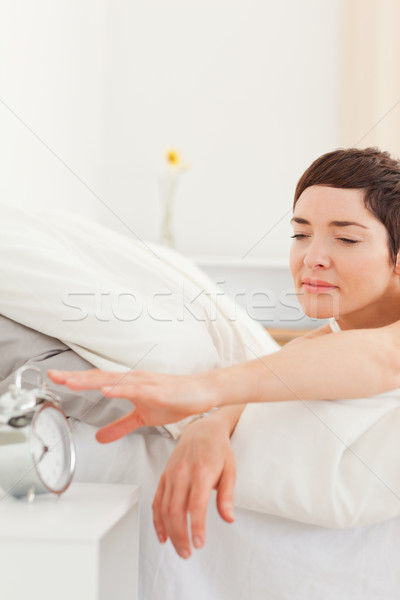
(37, 452)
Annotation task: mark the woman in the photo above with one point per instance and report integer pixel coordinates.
(345, 265)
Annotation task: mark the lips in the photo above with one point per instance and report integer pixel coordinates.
(317, 285)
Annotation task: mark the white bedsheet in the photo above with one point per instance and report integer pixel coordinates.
(329, 463)
(258, 557)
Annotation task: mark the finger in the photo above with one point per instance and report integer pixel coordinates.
(174, 511)
(94, 381)
(225, 492)
(117, 429)
(61, 376)
(131, 391)
(157, 516)
(197, 508)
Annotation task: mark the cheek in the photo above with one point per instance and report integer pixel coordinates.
(295, 261)
(364, 275)
(375, 262)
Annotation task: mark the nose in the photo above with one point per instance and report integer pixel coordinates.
(317, 256)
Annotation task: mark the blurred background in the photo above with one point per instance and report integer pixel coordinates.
(94, 92)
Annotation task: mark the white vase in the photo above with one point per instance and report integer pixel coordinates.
(168, 187)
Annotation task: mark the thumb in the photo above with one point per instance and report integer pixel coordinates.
(119, 428)
(225, 492)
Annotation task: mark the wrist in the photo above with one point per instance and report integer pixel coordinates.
(205, 427)
(238, 384)
(221, 387)
(221, 421)
(211, 385)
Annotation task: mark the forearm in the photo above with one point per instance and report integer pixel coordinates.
(349, 364)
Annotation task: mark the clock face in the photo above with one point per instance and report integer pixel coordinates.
(52, 448)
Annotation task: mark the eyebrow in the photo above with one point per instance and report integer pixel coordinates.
(331, 224)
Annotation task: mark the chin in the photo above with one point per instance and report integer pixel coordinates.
(319, 314)
(318, 308)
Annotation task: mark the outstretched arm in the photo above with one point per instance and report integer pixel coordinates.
(349, 364)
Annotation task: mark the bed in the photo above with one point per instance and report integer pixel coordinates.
(257, 557)
(318, 491)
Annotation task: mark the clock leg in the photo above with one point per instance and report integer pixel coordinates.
(30, 496)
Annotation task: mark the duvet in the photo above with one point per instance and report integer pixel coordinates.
(120, 304)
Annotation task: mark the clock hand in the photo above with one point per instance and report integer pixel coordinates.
(44, 452)
(45, 447)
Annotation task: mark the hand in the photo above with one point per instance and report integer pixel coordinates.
(202, 460)
(158, 399)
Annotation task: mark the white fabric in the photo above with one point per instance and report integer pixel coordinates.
(333, 324)
(259, 556)
(335, 464)
(118, 303)
(329, 463)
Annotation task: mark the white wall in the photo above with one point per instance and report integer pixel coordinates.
(246, 89)
(51, 102)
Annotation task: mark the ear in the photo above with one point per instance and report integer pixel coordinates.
(397, 266)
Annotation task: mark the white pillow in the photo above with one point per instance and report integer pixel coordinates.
(330, 463)
(118, 303)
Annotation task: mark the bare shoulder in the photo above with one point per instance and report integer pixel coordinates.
(317, 332)
(324, 330)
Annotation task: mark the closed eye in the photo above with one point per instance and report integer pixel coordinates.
(347, 241)
(299, 236)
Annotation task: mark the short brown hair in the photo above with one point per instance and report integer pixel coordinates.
(372, 170)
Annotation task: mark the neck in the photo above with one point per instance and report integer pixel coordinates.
(372, 316)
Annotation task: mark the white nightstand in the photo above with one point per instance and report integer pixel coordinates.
(83, 545)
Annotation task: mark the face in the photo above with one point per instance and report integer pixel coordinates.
(340, 261)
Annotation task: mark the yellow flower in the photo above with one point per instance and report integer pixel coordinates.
(173, 157)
